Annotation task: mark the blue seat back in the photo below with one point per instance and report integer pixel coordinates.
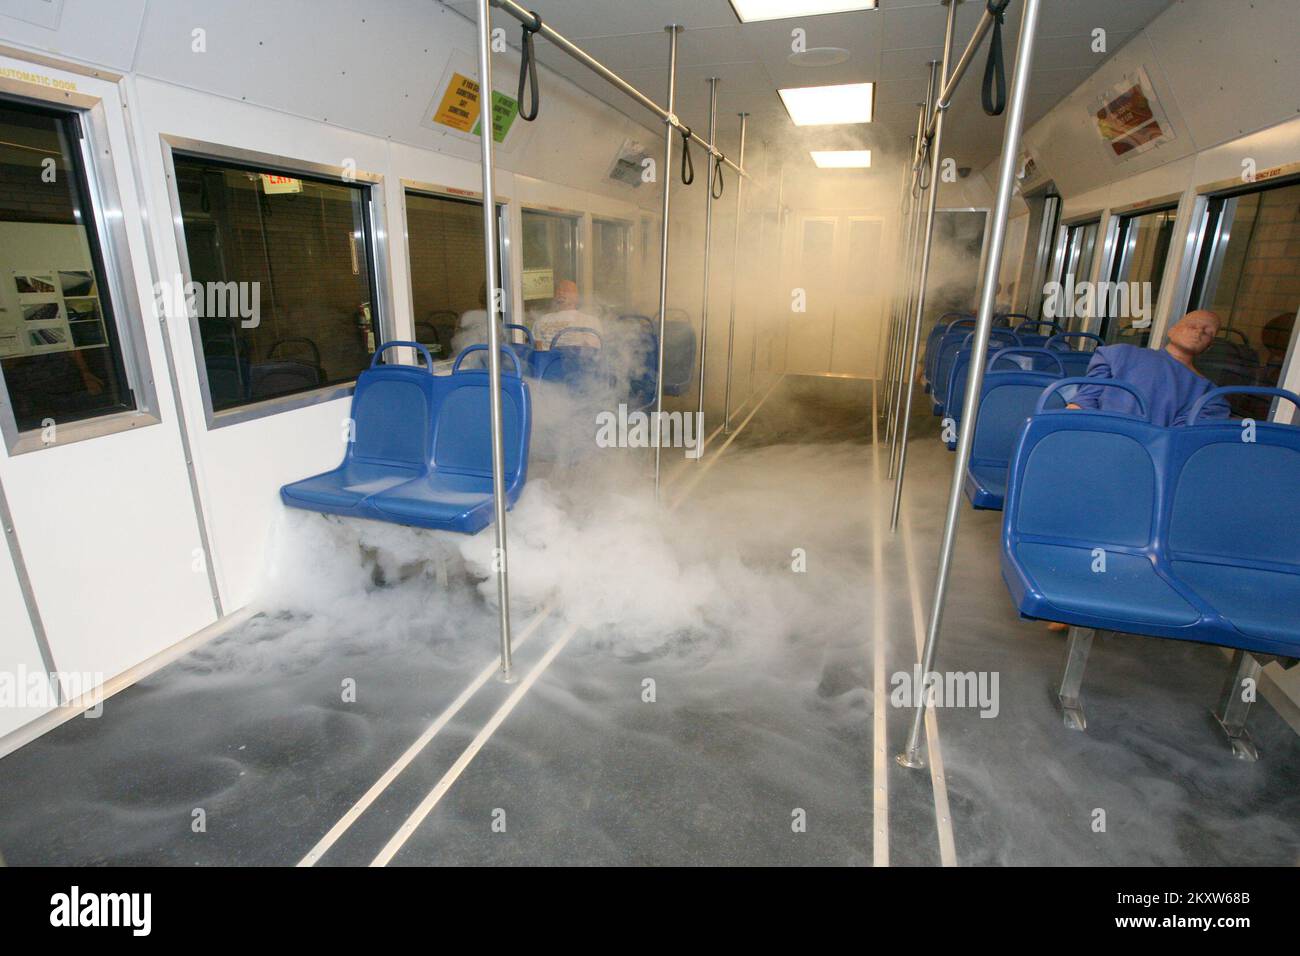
(952, 335)
(386, 394)
(1215, 471)
(940, 327)
(1075, 360)
(1030, 331)
(1027, 358)
(950, 346)
(1083, 475)
(462, 432)
(952, 393)
(1007, 401)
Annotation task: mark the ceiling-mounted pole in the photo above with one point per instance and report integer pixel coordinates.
(923, 202)
(667, 173)
(914, 334)
(708, 249)
(495, 303)
(735, 269)
(911, 757)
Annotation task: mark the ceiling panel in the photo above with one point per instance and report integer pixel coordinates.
(890, 46)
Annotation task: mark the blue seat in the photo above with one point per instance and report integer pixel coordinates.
(934, 343)
(1007, 400)
(1012, 359)
(579, 367)
(949, 347)
(1075, 360)
(1242, 562)
(1183, 559)
(1029, 334)
(955, 383)
(421, 452)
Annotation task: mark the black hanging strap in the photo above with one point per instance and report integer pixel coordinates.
(717, 185)
(994, 93)
(528, 68)
(688, 167)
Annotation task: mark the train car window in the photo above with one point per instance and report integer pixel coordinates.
(448, 288)
(60, 349)
(611, 251)
(550, 255)
(284, 287)
(1249, 274)
(1044, 214)
(1141, 250)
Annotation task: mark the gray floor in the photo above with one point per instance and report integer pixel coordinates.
(763, 712)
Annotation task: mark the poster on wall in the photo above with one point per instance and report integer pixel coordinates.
(457, 105)
(58, 310)
(1130, 119)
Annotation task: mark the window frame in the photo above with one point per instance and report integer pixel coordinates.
(581, 222)
(103, 199)
(455, 194)
(377, 253)
(1215, 207)
(1118, 248)
(627, 225)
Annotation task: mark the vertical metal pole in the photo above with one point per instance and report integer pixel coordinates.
(914, 205)
(669, 128)
(494, 336)
(970, 410)
(914, 337)
(916, 291)
(708, 249)
(902, 297)
(735, 271)
(891, 338)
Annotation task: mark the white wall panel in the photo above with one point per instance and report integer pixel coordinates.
(100, 32)
(107, 525)
(19, 654)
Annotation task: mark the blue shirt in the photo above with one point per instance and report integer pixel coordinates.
(1169, 387)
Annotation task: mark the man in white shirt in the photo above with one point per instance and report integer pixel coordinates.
(565, 315)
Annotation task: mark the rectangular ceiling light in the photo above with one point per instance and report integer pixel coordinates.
(824, 105)
(841, 158)
(750, 11)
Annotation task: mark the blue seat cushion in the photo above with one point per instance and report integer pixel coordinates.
(1129, 593)
(444, 500)
(345, 489)
(1259, 602)
(986, 485)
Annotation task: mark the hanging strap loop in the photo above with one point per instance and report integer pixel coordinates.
(528, 68)
(717, 185)
(688, 167)
(994, 93)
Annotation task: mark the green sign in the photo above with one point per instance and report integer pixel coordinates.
(504, 110)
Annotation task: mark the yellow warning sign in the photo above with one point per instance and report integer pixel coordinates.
(459, 107)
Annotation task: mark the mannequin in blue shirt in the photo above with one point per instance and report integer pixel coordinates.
(1167, 377)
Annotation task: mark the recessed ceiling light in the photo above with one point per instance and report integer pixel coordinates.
(841, 158)
(749, 11)
(823, 105)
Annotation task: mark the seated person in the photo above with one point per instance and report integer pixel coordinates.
(1167, 377)
(472, 329)
(565, 315)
